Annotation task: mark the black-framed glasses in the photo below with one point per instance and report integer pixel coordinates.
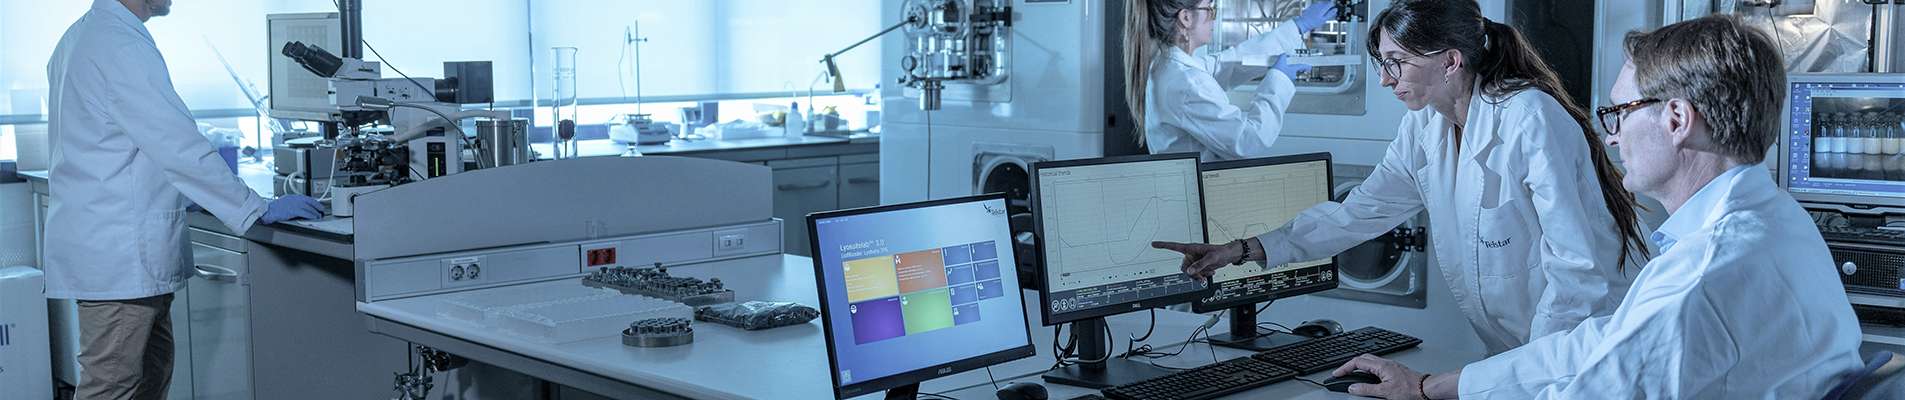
(1391, 67)
(1613, 126)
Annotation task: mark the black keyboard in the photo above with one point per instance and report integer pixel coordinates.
(1206, 382)
(1847, 234)
(1328, 352)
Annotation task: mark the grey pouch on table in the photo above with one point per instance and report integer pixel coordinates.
(757, 315)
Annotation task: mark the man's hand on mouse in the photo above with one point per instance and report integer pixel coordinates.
(1398, 381)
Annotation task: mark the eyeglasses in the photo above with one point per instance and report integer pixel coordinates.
(1613, 126)
(1210, 11)
(1391, 67)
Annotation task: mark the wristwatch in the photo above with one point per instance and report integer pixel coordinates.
(1246, 253)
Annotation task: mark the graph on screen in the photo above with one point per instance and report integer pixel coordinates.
(1100, 221)
(1246, 202)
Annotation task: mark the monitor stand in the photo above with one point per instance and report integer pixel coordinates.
(1245, 335)
(1109, 371)
(903, 392)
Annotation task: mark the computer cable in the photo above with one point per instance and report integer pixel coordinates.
(1131, 344)
(995, 380)
(1205, 329)
(1304, 380)
(1063, 353)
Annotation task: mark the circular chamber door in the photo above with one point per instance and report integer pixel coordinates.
(1389, 269)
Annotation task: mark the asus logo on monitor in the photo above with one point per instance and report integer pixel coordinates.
(947, 370)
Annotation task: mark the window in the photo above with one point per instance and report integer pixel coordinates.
(693, 48)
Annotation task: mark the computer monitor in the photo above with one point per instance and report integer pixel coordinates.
(1843, 142)
(911, 292)
(1247, 198)
(1095, 220)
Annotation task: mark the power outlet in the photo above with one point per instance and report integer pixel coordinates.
(728, 242)
(463, 270)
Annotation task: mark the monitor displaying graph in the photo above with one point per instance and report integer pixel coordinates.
(1247, 198)
(1096, 221)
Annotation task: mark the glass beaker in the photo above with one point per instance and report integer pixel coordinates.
(563, 101)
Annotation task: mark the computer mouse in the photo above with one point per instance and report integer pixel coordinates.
(1341, 383)
(1022, 391)
(1317, 328)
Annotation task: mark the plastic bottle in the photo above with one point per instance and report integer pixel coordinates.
(796, 122)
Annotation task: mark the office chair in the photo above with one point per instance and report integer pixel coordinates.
(1878, 377)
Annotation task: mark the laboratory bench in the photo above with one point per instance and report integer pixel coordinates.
(274, 316)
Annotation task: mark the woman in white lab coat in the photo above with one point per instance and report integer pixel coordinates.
(1530, 225)
(1179, 98)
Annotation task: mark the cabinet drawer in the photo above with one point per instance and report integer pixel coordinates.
(859, 185)
(798, 192)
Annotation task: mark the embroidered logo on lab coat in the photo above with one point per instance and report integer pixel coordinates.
(1496, 244)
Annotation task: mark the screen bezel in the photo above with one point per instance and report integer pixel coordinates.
(1786, 137)
(917, 375)
(1329, 170)
(1038, 229)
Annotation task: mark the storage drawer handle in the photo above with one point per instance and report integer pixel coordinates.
(216, 273)
(862, 181)
(793, 187)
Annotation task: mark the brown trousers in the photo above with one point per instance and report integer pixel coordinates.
(125, 349)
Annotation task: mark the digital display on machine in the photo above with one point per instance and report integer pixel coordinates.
(1845, 138)
(913, 288)
(1247, 198)
(1096, 220)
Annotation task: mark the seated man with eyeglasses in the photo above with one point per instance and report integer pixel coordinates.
(1742, 301)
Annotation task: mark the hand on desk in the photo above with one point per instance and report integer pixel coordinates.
(1398, 381)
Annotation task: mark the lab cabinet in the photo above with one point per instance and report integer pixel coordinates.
(181, 316)
(859, 182)
(219, 310)
(802, 187)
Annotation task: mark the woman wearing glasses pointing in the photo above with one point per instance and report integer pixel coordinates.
(1530, 225)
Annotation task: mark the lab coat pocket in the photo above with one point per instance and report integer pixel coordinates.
(1504, 241)
(160, 239)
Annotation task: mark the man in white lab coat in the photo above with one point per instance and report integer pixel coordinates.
(1743, 300)
(127, 160)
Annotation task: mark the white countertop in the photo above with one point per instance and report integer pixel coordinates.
(791, 362)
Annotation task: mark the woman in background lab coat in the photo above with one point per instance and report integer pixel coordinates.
(1179, 98)
(1531, 227)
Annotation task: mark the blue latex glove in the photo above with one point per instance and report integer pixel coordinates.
(1289, 69)
(1315, 16)
(292, 207)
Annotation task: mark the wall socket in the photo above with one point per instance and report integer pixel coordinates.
(725, 242)
(463, 270)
